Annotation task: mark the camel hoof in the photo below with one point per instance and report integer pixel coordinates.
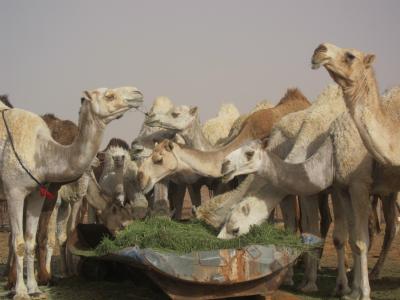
(160, 209)
(288, 282)
(352, 296)
(21, 296)
(38, 296)
(375, 274)
(340, 291)
(43, 278)
(309, 288)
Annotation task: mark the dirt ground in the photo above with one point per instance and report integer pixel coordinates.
(139, 287)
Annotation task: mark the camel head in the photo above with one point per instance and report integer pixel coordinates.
(115, 217)
(160, 164)
(244, 160)
(179, 118)
(109, 104)
(345, 66)
(251, 211)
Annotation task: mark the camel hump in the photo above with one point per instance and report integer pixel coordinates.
(294, 94)
(62, 131)
(4, 99)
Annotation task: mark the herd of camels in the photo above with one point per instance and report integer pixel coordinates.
(343, 145)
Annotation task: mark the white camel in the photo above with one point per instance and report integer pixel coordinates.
(49, 162)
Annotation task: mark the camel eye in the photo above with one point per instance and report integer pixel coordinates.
(349, 57)
(158, 160)
(249, 155)
(110, 95)
(175, 115)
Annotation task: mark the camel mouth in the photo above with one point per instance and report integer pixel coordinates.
(317, 62)
(228, 176)
(147, 189)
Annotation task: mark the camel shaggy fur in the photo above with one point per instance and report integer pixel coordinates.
(219, 127)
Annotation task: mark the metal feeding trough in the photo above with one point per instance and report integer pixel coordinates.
(252, 270)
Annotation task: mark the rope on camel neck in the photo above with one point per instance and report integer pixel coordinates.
(44, 192)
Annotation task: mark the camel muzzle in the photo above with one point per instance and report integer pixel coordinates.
(319, 56)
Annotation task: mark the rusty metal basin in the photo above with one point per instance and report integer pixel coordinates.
(252, 270)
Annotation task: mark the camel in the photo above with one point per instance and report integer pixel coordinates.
(49, 162)
(206, 159)
(349, 168)
(119, 172)
(142, 147)
(352, 70)
(64, 132)
(64, 218)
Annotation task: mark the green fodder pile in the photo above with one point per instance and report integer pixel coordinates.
(170, 236)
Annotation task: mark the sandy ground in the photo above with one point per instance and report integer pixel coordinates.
(136, 286)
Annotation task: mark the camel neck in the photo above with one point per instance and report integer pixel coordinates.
(363, 95)
(202, 163)
(376, 126)
(68, 162)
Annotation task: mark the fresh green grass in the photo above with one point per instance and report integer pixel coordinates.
(166, 235)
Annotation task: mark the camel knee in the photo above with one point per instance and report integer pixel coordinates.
(19, 249)
(338, 243)
(358, 247)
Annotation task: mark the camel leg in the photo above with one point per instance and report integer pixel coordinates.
(288, 208)
(359, 240)
(161, 205)
(325, 213)
(374, 223)
(15, 201)
(83, 211)
(389, 212)
(310, 224)
(72, 222)
(12, 266)
(341, 206)
(51, 238)
(64, 213)
(48, 207)
(195, 195)
(177, 194)
(34, 204)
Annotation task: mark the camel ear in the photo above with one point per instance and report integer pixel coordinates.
(264, 143)
(246, 209)
(88, 96)
(368, 60)
(169, 146)
(193, 110)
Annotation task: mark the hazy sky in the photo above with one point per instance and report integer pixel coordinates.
(200, 53)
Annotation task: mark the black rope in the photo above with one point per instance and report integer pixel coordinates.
(15, 152)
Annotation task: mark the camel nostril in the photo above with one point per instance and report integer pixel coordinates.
(321, 48)
(140, 177)
(225, 166)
